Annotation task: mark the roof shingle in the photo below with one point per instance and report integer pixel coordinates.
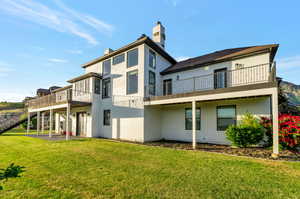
(217, 57)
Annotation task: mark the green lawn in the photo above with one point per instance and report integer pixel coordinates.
(96, 168)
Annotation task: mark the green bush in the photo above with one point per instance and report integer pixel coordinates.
(248, 132)
(33, 123)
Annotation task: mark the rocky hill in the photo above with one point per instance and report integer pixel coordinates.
(292, 91)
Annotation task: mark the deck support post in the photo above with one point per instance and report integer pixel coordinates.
(43, 122)
(194, 123)
(68, 122)
(51, 123)
(28, 123)
(38, 123)
(275, 123)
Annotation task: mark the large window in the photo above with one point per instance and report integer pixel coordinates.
(132, 82)
(106, 117)
(87, 85)
(97, 85)
(226, 116)
(167, 87)
(82, 87)
(152, 59)
(132, 58)
(152, 83)
(106, 67)
(189, 119)
(106, 88)
(118, 59)
(220, 78)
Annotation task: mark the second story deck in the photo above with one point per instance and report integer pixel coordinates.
(220, 81)
(74, 97)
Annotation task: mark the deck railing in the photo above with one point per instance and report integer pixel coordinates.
(60, 97)
(243, 76)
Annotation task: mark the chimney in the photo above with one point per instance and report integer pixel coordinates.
(158, 34)
(107, 51)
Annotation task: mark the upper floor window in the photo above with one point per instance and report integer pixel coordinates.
(152, 82)
(167, 87)
(132, 82)
(81, 87)
(152, 59)
(132, 58)
(226, 116)
(106, 88)
(97, 85)
(87, 85)
(220, 78)
(106, 67)
(118, 59)
(189, 119)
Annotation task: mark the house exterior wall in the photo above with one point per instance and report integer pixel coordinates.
(152, 127)
(184, 82)
(127, 120)
(132, 120)
(173, 119)
(161, 64)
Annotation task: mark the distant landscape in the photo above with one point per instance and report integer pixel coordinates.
(292, 91)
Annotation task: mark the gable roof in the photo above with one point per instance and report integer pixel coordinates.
(81, 77)
(143, 39)
(220, 56)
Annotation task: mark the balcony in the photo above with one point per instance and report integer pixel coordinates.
(240, 79)
(71, 96)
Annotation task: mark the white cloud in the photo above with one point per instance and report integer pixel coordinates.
(67, 20)
(78, 52)
(55, 60)
(97, 24)
(289, 62)
(181, 58)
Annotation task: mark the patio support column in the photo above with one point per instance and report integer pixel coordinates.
(51, 123)
(275, 123)
(68, 122)
(28, 123)
(43, 122)
(38, 123)
(194, 123)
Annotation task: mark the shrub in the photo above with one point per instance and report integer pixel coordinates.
(289, 131)
(267, 124)
(248, 132)
(33, 123)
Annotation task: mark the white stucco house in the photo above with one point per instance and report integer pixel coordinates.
(139, 92)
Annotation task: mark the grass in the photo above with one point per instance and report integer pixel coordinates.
(97, 168)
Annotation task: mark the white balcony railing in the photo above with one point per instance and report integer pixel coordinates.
(262, 73)
(60, 97)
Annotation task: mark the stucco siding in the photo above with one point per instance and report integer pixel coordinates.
(152, 127)
(173, 119)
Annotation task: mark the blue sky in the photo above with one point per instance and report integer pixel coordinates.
(44, 42)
